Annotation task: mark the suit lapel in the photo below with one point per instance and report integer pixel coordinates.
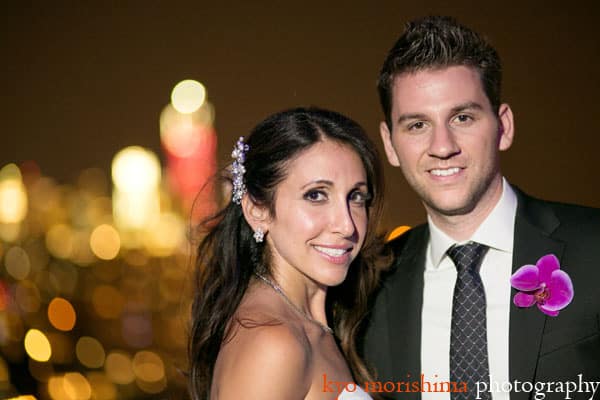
(534, 225)
(406, 298)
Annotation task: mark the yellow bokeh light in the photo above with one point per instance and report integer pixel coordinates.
(118, 368)
(56, 388)
(148, 366)
(166, 236)
(59, 241)
(37, 345)
(152, 387)
(13, 197)
(10, 232)
(17, 263)
(105, 242)
(136, 202)
(76, 386)
(102, 387)
(135, 212)
(61, 314)
(188, 96)
(90, 352)
(135, 170)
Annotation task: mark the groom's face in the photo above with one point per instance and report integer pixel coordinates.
(446, 137)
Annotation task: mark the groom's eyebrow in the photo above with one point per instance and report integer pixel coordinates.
(471, 105)
(405, 117)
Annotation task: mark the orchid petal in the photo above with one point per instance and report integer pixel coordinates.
(524, 299)
(545, 310)
(561, 291)
(546, 265)
(526, 278)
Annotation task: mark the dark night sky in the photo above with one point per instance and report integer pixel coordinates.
(82, 80)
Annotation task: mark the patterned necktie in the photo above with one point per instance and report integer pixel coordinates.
(468, 337)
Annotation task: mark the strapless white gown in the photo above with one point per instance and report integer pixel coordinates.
(358, 394)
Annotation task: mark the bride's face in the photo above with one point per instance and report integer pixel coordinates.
(320, 216)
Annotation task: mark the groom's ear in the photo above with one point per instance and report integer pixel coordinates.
(256, 215)
(386, 137)
(506, 127)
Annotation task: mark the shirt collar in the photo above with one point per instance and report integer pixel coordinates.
(496, 231)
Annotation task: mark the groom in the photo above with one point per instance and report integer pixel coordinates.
(445, 311)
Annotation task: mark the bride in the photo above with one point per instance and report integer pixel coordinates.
(282, 280)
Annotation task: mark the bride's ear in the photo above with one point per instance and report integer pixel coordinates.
(255, 214)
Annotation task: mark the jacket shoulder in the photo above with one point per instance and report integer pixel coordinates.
(409, 237)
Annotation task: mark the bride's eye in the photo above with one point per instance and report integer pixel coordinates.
(315, 195)
(359, 197)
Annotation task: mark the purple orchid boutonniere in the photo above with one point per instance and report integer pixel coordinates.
(544, 284)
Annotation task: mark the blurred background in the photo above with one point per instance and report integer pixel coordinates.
(116, 114)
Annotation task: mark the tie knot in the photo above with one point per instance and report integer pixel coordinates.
(467, 256)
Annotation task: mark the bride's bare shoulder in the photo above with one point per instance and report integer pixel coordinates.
(263, 356)
(263, 362)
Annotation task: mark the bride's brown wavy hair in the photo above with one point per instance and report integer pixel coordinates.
(228, 255)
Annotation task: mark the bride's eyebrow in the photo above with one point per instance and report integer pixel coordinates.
(318, 181)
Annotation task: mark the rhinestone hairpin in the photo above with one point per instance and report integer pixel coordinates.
(238, 170)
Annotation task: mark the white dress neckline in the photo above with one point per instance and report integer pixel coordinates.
(356, 393)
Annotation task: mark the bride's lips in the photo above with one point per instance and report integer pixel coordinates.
(334, 254)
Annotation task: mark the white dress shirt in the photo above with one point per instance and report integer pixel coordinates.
(496, 232)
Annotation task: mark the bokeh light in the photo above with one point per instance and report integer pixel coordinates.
(136, 202)
(396, 232)
(149, 370)
(178, 132)
(90, 352)
(118, 368)
(105, 242)
(17, 263)
(188, 96)
(102, 387)
(60, 241)
(101, 332)
(37, 345)
(135, 170)
(166, 236)
(56, 388)
(137, 329)
(148, 366)
(13, 197)
(61, 314)
(76, 386)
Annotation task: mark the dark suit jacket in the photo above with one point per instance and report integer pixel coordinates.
(542, 348)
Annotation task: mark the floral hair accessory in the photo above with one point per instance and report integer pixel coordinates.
(543, 283)
(238, 170)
